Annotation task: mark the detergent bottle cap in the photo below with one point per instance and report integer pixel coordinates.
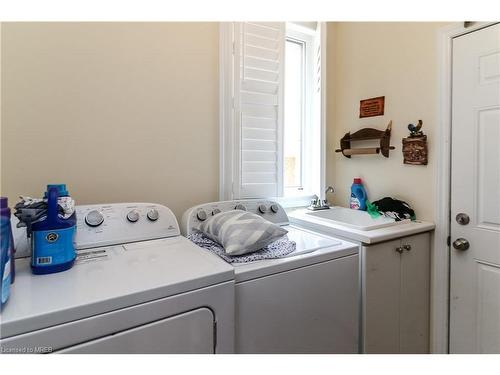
(357, 180)
(4, 203)
(61, 190)
(4, 207)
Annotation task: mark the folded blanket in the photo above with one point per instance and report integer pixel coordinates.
(277, 249)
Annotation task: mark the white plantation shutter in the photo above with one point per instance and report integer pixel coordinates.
(258, 109)
(317, 62)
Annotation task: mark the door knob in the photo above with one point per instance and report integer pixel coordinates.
(461, 244)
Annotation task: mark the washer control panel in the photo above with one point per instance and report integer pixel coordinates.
(269, 210)
(117, 223)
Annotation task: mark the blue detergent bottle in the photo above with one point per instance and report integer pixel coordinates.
(358, 195)
(52, 241)
(5, 251)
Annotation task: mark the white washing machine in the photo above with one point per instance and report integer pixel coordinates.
(137, 286)
(306, 302)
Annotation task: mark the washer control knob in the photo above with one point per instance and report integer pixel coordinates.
(133, 216)
(240, 207)
(94, 218)
(215, 211)
(275, 208)
(153, 214)
(262, 208)
(201, 215)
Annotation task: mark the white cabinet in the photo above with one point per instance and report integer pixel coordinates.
(395, 289)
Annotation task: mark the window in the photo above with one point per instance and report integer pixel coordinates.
(293, 128)
(271, 121)
(301, 127)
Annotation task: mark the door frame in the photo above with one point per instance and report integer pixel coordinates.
(440, 269)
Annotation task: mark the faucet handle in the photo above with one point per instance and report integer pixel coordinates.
(314, 200)
(329, 189)
(318, 204)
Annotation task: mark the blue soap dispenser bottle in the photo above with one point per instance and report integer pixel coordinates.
(358, 195)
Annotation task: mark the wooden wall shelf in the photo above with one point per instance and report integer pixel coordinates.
(363, 135)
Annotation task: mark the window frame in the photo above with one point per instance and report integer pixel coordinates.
(226, 118)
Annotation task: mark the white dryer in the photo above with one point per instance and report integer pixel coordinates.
(137, 286)
(306, 302)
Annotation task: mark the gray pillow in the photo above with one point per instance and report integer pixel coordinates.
(241, 232)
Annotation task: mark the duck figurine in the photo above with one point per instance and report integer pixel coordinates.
(415, 129)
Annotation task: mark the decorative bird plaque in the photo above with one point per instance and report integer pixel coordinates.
(415, 146)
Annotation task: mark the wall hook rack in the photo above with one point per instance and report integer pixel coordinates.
(364, 135)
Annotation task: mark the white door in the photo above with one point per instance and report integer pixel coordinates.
(475, 191)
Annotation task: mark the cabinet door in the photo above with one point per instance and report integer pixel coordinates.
(415, 285)
(381, 297)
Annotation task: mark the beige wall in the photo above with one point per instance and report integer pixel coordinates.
(399, 61)
(117, 112)
(1, 189)
(124, 113)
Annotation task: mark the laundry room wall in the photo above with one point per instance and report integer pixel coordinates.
(117, 111)
(1, 190)
(398, 61)
(129, 111)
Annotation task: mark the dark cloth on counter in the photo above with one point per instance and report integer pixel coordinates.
(394, 208)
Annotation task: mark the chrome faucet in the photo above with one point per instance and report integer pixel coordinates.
(318, 204)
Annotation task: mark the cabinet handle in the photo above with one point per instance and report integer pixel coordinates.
(407, 247)
(399, 249)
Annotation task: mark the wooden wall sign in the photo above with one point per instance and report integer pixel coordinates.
(371, 107)
(415, 150)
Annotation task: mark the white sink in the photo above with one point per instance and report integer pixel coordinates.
(355, 219)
